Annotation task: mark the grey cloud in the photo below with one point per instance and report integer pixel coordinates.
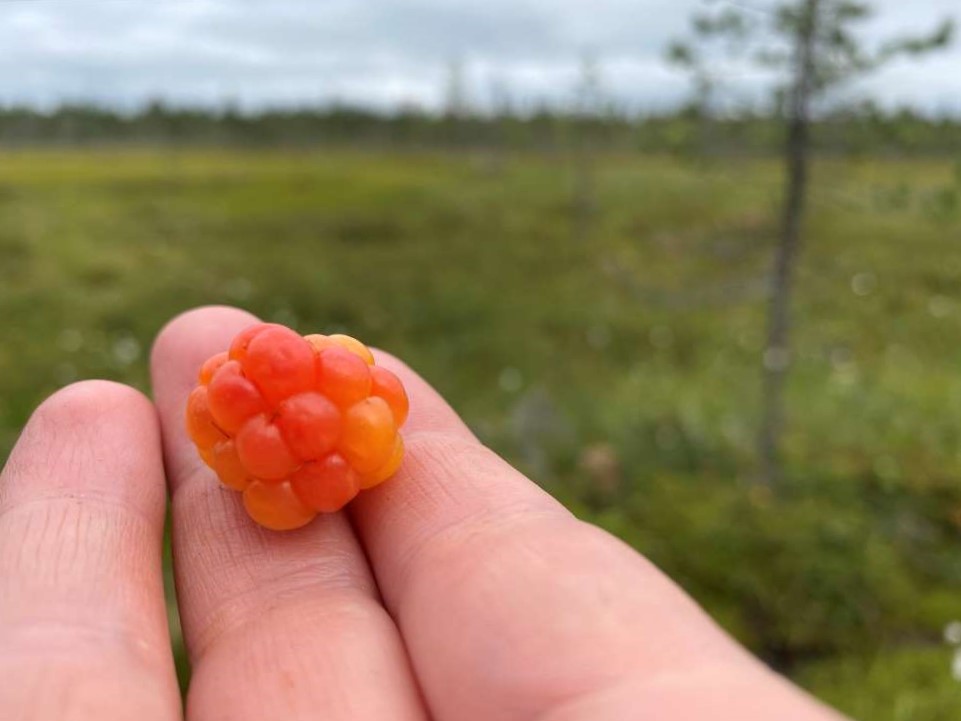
(376, 51)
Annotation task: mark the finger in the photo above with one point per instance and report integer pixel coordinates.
(83, 627)
(510, 608)
(277, 625)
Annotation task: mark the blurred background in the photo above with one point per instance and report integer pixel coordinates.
(693, 266)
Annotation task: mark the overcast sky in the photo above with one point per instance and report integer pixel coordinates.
(385, 52)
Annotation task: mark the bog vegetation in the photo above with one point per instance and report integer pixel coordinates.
(618, 366)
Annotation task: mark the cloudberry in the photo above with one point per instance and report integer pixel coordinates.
(298, 425)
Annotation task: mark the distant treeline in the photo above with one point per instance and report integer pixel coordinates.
(867, 130)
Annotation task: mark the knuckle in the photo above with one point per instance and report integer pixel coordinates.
(449, 449)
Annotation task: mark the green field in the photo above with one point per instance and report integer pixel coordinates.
(615, 357)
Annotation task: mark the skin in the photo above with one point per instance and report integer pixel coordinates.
(457, 591)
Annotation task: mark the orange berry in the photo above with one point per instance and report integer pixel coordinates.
(280, 363)
(310, 424)
(241, 341)
(275, 506)
(388, 386)
(326, 485)
(298, 425)
(342, 376)
(354, 346)
(262, 450)
(226, 464)
(212, 366)
(368, 436)
(386, 470)
(233, 399)
(200, 423)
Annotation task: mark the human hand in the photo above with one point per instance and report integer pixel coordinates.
(458, 591)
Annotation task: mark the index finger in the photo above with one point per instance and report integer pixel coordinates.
(511, 608)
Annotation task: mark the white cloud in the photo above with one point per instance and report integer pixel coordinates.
(381, 51)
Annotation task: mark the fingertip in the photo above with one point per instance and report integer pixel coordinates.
(185, 343)
(92, 401)
(84, 439)
(198, 327)
(98, 409)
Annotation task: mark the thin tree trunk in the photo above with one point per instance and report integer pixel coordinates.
(584, 182)
(777, 353)
(705, 117)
